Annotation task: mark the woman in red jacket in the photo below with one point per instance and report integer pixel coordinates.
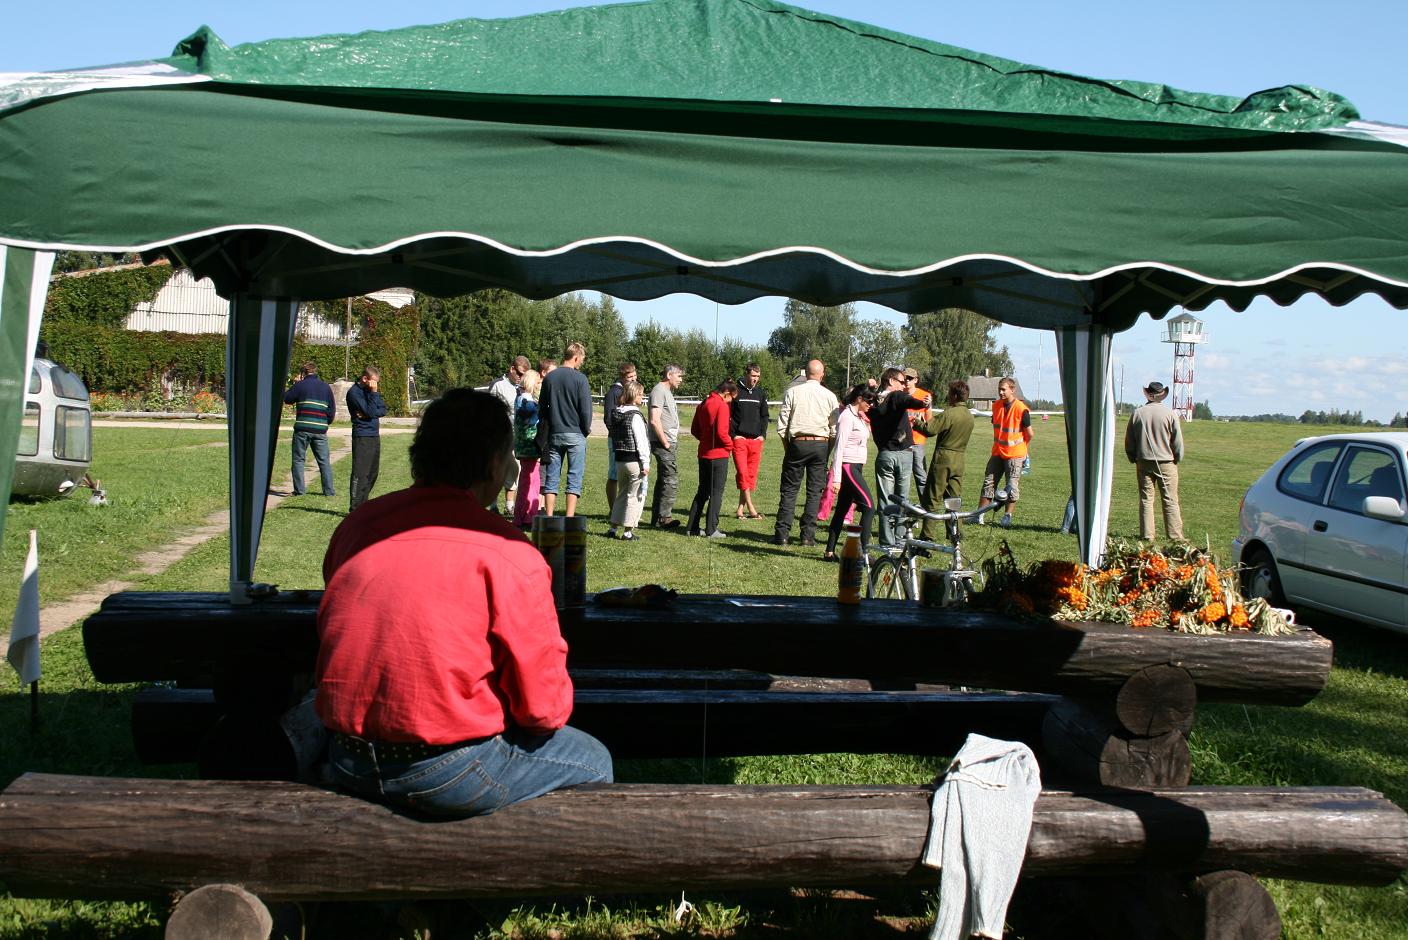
(710, 426)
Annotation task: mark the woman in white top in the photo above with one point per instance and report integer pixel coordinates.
(629, 443)
(848, 462)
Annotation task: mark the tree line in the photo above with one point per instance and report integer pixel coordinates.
(470, 340)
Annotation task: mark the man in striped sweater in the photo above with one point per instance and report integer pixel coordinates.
(316, 409)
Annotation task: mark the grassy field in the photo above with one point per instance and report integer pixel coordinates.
(1355, 733)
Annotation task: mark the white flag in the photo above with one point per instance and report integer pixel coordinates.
(24, 630)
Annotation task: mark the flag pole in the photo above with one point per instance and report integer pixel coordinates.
(34, 707)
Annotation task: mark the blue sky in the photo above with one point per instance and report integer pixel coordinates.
(1267, 359)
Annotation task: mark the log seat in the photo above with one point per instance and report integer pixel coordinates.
(95, 837)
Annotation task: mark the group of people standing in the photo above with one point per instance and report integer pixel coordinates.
(824, 443)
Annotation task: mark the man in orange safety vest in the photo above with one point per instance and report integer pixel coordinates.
(1011, 432)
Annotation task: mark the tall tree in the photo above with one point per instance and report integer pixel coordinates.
(954, 344)
(812, 332)
(879, 345)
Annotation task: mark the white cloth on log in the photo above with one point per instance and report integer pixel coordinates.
(979, 823)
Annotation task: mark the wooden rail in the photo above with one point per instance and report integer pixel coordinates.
(113, 838)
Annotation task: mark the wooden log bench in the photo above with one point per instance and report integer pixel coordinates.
(1132, 694)
(200, 639)
(91, 837)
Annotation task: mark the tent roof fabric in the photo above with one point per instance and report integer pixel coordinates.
(727, 51)
(638, 149)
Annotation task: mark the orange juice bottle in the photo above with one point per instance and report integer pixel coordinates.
(848, 585)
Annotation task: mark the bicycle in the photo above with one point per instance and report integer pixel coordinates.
(896, 572)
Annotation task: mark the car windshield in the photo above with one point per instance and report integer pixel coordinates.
(1365, 472)
(1305, 476)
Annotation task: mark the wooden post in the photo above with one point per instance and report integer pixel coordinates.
(1085, 744)
(219, 912)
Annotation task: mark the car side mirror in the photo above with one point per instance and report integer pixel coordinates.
(1384, 507)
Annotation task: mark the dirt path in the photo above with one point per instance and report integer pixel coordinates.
(62, 614)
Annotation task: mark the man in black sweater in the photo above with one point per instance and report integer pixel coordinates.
(894, 462)
(564, 421)
(748, 424)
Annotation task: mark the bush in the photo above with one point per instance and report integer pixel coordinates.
(132, 371)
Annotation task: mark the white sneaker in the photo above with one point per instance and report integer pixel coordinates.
(1006, 522)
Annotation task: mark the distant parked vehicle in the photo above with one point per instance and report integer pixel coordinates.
(1326, 527)
(56, 435)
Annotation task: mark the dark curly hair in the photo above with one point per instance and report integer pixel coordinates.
(862, 392)
(461, 439)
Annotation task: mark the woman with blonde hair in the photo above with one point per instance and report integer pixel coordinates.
(525, 448)
(632, 449)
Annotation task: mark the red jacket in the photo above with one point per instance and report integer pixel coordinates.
(711, 427)
(437, 624)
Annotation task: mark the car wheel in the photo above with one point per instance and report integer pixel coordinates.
(1259, 578)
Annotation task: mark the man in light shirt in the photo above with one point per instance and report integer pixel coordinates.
(506, 391)
(805, 422)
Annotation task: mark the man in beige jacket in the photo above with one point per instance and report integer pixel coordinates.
(1153, 442)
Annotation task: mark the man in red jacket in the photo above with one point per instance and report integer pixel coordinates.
(442, 671)
(710, 426)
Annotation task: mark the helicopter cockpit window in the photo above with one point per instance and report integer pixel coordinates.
(73, 433)
(29, 431)
(67, 384)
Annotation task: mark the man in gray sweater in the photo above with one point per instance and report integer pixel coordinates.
(1153, 442)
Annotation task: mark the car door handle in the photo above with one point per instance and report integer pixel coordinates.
(1320, 525)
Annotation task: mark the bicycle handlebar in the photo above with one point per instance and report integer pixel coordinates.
(899, 505)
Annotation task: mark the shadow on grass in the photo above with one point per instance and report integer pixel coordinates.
(80, 732)
(314, 509)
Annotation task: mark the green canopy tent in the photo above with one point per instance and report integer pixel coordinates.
(727, 148)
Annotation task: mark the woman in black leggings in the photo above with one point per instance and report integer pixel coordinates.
(848, 468)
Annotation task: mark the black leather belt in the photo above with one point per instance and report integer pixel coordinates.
(398, 752)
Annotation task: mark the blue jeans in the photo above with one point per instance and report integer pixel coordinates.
(319, 442)
(478, 778)
(893, 469)
(571, 447)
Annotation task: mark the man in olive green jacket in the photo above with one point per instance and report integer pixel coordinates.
(950, 430)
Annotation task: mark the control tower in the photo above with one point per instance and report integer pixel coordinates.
(1185, 332)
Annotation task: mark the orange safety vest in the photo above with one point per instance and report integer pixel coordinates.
(1007, 440)
(923, 395)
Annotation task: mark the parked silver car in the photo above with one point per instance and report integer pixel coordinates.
(1327, 527)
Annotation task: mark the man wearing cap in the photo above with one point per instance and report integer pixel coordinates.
(918, 418)
(1153, 442)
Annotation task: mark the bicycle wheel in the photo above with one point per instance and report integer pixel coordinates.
(888, 580)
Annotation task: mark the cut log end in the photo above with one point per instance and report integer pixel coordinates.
(220, 912)
(1157, 700)
(1234, 906)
